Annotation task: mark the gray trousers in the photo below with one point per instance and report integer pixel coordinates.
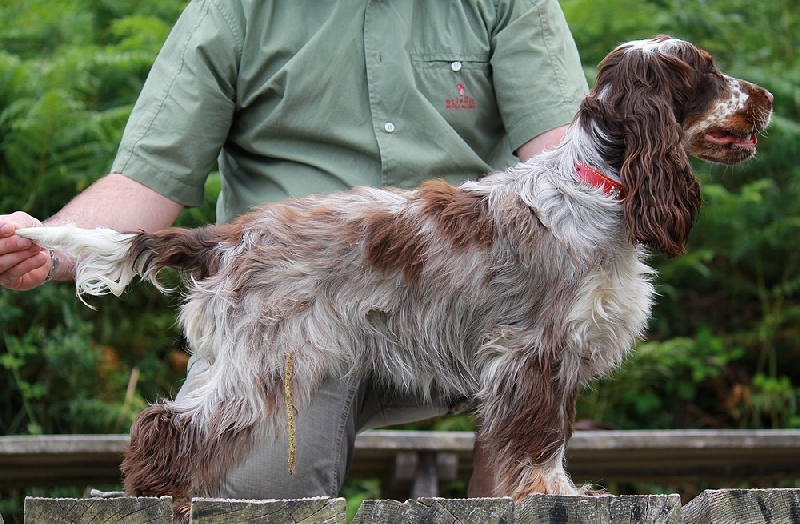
(326, 433)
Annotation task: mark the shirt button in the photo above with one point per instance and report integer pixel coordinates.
(455, 66)
(388, 127)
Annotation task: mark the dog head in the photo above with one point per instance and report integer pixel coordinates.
(655, 103)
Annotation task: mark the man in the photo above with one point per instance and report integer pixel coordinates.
(296, 97)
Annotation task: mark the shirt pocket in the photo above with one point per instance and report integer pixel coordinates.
(458, 84)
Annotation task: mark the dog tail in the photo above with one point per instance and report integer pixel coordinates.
(108, 260)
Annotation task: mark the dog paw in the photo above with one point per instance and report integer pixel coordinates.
(560, 485)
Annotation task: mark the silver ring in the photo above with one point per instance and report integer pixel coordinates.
(53, 266)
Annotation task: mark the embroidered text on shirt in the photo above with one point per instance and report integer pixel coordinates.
(463, 101)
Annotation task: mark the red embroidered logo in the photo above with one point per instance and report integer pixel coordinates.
(463, 101)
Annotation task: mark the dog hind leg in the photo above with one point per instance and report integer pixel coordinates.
(159, 457)
(168, 455)
(187, 446)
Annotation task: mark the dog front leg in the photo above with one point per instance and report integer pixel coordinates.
(526, 413)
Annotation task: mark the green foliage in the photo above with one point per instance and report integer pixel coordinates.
(670, 383)
(356, 491)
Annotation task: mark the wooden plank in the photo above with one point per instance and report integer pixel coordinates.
(734, 506)
(381, 511)
(436, 510)
(418, 474)
(619, 455)
(426, 479)
(744, 506)
(317, 510)
(61, 460)
(122, 510)
(605, 509)
(464, 511)
(593, 456)
(684, 455)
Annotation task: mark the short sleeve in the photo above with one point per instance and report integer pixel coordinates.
(185, 109)
(536, 68)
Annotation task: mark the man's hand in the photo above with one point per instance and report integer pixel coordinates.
(23, 264)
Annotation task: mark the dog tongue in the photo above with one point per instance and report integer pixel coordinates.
(722, 138)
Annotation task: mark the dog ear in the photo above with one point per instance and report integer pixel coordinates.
(663, 196)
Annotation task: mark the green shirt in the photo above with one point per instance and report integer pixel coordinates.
(291, 97)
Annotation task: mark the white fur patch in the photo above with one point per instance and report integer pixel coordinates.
(653, 46)
(98, 251)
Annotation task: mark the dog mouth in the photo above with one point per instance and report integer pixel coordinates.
(725, 146)
(731, 140)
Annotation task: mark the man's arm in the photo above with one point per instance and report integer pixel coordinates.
(114, 201)
(547, 140)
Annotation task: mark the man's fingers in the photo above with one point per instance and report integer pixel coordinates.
(23, 264)
(13, 243)
(19, 270)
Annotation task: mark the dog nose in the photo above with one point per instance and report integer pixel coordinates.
(761, 94)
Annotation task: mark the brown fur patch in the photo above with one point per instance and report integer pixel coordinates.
(167, 455)
(537, 484)
(159, 457)
(461, 216)
(535, 422)
(395, 241)
(195, 251)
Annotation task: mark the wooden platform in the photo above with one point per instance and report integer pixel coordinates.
(774, 506)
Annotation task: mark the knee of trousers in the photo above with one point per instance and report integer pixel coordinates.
(325, 437)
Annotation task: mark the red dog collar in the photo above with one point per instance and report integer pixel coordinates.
(595, 178)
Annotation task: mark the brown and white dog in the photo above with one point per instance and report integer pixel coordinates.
(514, 290)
